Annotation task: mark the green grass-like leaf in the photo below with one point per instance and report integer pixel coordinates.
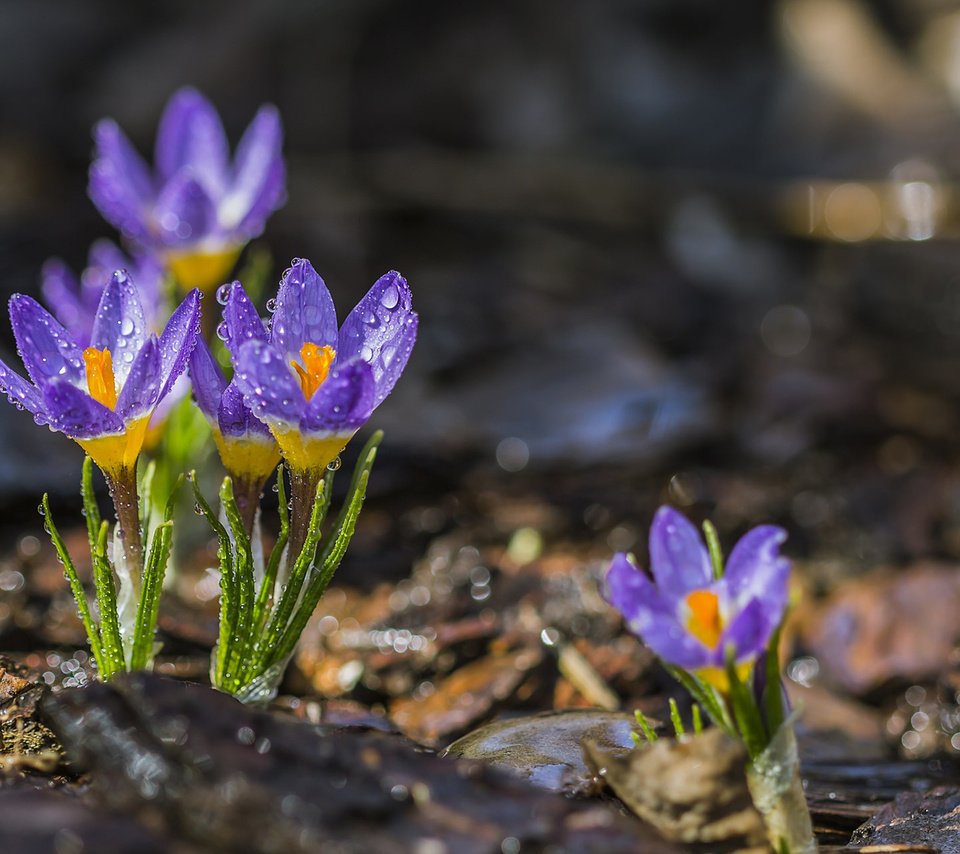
(106, 589)
(713, 547)
(76, 587)
(749, 722)
(645, 728)
(676, 720)
(158, 555)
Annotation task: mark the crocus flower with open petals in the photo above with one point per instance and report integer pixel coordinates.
(197, 210)
(102, 396)
(314, 386)
(688, 618)
(74, 299)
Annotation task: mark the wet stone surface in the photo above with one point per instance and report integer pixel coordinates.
(915, 819)
(547, 749)
(199, 767)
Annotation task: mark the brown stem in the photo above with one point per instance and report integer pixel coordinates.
(247, 492)
(303, 491)
(123, 490)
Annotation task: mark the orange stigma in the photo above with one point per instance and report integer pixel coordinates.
(100, 379)
(316, 366)
(704, 621)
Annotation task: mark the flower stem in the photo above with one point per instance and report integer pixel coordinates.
(123, 491)
(303, 491)
(247, 492)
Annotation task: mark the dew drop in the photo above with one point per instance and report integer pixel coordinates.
(126, 327)
(334, 464)
(390, 297)
(223, 331)
(223, 294)
(272, 305)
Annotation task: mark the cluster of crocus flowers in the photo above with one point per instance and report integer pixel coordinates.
(198, 208)
(695, 615)
(102, 393)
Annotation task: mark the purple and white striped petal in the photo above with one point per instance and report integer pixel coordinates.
(47, 349)
(755, 568)
(259, 177)
(140, 392)
(119, 325)
(343, 403)
(190, 136)
(269, 388)
(120, 184)
(184, 212)
(381, 330)
(305, 312)
(242, 319)
(678, 558)
(22, 394)
(75, 413)
(207, 378)
(178, 340)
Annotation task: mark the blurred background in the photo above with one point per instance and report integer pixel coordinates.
(662, 249)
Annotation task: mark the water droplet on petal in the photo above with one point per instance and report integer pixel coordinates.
(126, 327)
(334, 464)
(390, 297)
(223, 294)
(223, 331)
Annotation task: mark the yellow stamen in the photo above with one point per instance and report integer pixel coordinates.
(316, 366)
(704, 621)
(100, 379)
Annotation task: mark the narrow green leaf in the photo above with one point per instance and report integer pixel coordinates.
(713, 546)
(645, 728)
(706, 697)
(773, 698)
(261, 608)
(146, 497)
(76, 587)
(91, 510)
(676, 720)
(106, 590)
(155, 568)
(243, 584)
(228, 605)
(749, 722)
(330, 557)
(290, 596)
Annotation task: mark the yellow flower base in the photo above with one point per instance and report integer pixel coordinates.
(253, 458)
(203, 270)
(119, 451)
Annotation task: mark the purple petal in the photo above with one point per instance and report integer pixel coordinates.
(142, 387)
(259, 176)
(107, 256)
(47, 349)
(207, 378)
(263, 375)
(119, 325)
(748, 632)
(21, 394)
(61, 291)
(235, 418)
(381, 330)
(184, 212)
(678, 559)
(755, 568)
(242, 320)
(652, 616)
(120, 184)
(191, 137)
(305, 311)
(178, 340)
(344, 402)
(75, 413)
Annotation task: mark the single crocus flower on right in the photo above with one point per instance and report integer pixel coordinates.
(689, 617)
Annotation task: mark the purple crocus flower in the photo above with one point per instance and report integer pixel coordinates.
(74, 300)
(314, 386)
(102, 396)
(688, 618)
(247, 448)
(197, 210)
